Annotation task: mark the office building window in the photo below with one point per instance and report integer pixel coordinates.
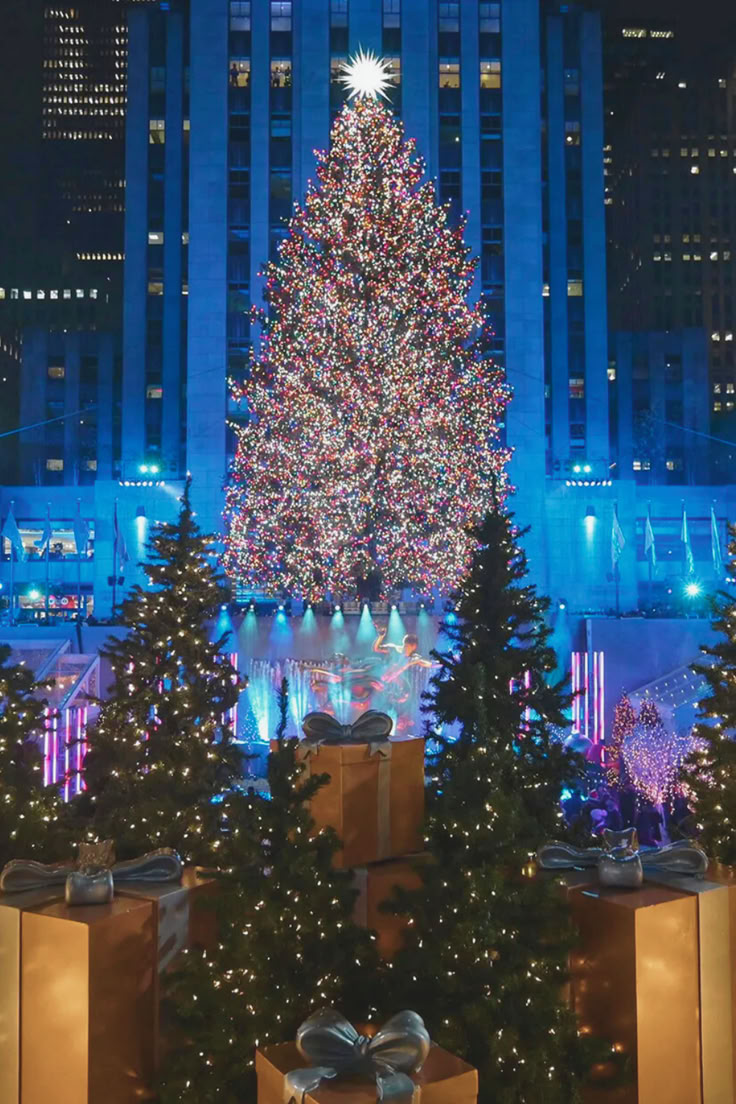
(490, 74)
(574, 287)
(392, 13)
(577, 387)
(338, 13)
(449, 73)
(156, 132)
(281, 73)
(449, 17)
(239, 72)
(572, 82)
(56, 371)
(89, 465)
(239, 15)
(158, 78)
(490, 18)
(572, 132)
(336, 69)
(54, 464)
(280, 15)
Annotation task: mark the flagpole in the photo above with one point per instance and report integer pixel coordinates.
(115, 560)
(12, 571)
(79, 565)
(48, 546)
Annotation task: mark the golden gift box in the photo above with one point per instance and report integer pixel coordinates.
(88, 1002)
(375, 884)
(443, 1079)
(635, 981)
(374, 799)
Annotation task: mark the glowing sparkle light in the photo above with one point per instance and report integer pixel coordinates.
(366, 76)
(693, 590)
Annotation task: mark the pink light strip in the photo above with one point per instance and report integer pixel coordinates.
(84, 745)
(54, 749)
(46, 763)
(586, 695)
(602, 698)
(67, 740)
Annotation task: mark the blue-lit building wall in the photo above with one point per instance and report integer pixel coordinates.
(228, 99)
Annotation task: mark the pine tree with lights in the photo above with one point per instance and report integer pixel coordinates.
(287, 942)
(486, 952)
(624, 721)
(372, 439)
(28, 809)
(652, 755)
(161, 752)
(710, 772)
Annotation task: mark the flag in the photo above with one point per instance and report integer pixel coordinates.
(650, 552)
(46, 534)
(715, 545)
(685, 538)
(617, 539)
(81, 532)
(122, 556)
(12, 533)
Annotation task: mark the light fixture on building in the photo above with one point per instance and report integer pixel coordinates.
(140, 512)
(590, 512)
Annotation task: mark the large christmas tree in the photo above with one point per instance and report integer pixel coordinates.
(710, 774)
(162, 747)
(372, 437)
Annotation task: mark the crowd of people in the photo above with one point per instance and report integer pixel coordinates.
(617, 807)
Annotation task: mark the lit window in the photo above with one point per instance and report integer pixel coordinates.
(717, 406)
(67, 293)
(155, 287)
(716, 388)
(636, 465)
(90, 465)
(612, 375)
(683, 151)
(449, 17)
(572, 132)
(27, 294)
(656, 256)
(281, 73)
(40, 294)
(154, 391)
(55, 464)
(490, 18)
(721, 82)
(727, 254)
(156, 132)
(239, 72)
(545, 290)
(53, 294)
(185, 238)
(686, 256)
(577, 388)
(711, 153)
(714, 255)
(661, 34)
(392, 13)
(682, 84)
(634, 32)
(490, 74)
(729, 389)
(449, 73)
(729, 336)
(56, 371)
(280, 15)
(694, 169)
(239, 15)
(715, 336)
(80, 293)
(574, 287)
(155, 237)
(93, 293)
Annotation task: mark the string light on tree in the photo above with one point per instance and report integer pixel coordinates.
(372, 439)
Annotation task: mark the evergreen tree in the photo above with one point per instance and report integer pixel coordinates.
(710, 772)
(498, 635)
(287, 944)
(624, 720)
(372, 441)
(161, 752)
(486, 951)
(28, 809)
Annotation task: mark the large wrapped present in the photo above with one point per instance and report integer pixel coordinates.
(636, 981)
(331, 1064)
(375, 884)
(88, 1007)
(375, 797)
(12, 906)
(715, 896)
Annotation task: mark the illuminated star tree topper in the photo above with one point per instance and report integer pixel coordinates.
(366, 75)
(371, 443)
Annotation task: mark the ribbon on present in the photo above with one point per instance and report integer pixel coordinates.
(19, 875)
(372, 728)
(335, 1049)
(683, 857)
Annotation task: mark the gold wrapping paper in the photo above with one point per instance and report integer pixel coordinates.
(88, 1010)
(443, 1079)
(12, 906)
(375, 802)
(716, 903)
(375, 883)
(635, 981)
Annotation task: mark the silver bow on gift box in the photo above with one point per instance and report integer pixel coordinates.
(623, 862)
(370, 728)
(335, 1049)
(90, 883)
